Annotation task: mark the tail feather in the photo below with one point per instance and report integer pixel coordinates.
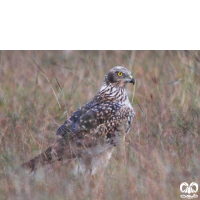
(56, 152)
(42, 159)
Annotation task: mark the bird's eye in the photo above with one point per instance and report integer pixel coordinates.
(120, 73)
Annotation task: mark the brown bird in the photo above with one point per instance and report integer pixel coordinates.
(90, 134)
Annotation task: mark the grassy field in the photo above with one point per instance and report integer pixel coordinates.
(40, 89)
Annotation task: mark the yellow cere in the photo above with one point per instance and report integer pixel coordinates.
(120, 73)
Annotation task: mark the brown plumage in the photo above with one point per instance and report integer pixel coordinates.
(91, 132)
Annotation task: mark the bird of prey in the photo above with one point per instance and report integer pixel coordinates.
(90, 134)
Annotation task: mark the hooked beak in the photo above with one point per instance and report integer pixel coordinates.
(132, 80)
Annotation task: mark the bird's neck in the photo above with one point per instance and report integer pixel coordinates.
(112, 92)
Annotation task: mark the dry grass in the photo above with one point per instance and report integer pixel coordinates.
(161, 151)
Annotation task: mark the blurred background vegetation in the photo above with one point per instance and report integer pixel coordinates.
(40, 89)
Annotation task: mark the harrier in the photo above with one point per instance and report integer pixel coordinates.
(90, 134)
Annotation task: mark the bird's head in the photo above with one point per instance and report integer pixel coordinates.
(119, 76)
